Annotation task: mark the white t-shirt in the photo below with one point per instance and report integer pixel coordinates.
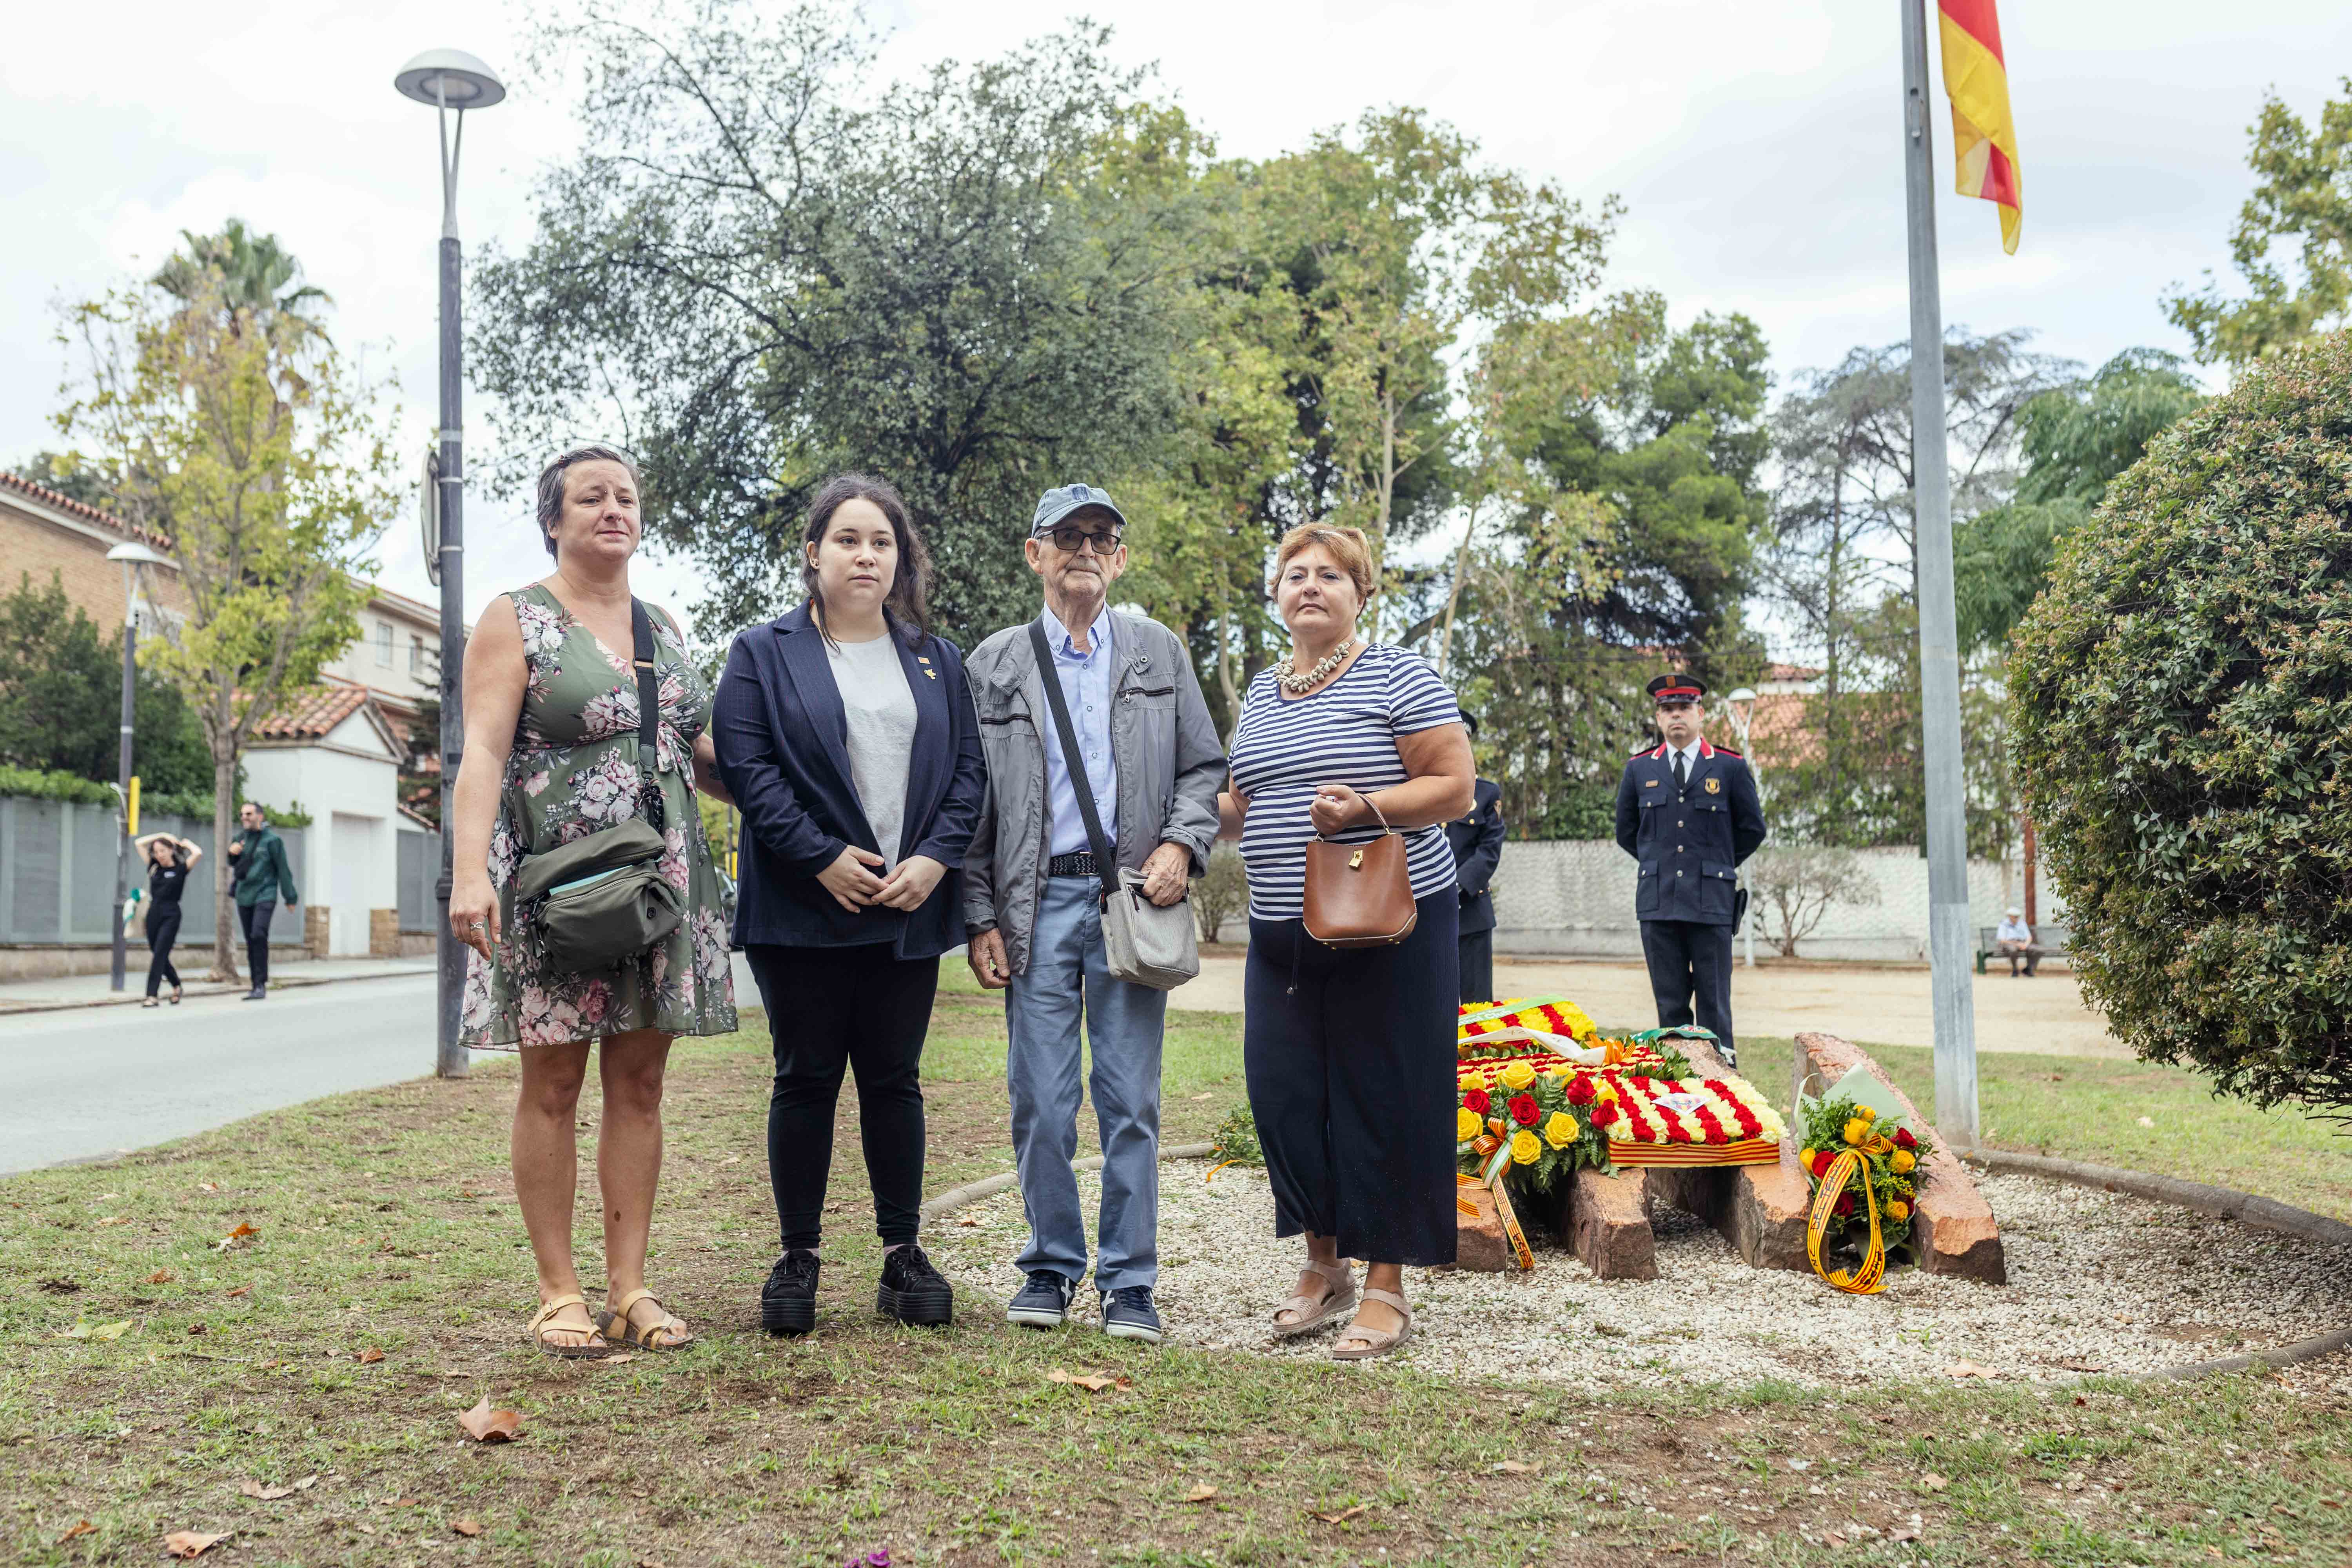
(881, 706)
(2012, 931)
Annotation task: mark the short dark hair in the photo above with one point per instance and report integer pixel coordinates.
(908, 599)
(551, 481)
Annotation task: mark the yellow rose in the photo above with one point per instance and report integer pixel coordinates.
(1561, 1075)
(1518, 1076)
(1560, 1130)
(1899, 1211)
(1606, 1093)
(1524, 1147)
(1866, 1113)
(1902, 1159)
(1466, 1125)
(1856, 1131)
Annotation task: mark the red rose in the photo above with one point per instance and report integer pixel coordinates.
(1903, 1139)
(1524, 1109)
(1604, 1113)
(1844, 1205)
(1477, 1102)
(1579, 1092)
(1822, 1160)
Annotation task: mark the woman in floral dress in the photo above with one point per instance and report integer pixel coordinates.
(551, 756)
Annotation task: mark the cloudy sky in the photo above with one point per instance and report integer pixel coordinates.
(1757, 147)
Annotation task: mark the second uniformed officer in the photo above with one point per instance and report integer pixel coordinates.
(1688, 812)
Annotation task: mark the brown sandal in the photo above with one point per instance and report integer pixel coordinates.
(669, 1334)
(542, 1323)
(1314, 1313)
(1376, 1342)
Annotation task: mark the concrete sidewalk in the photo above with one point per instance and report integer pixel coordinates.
(91, 990)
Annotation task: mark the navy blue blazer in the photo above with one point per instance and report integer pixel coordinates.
(782, 741)
(1690, 841)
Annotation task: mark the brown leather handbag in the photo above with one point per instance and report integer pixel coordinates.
(1359, 895)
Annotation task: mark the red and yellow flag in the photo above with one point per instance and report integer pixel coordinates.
(1984, 137)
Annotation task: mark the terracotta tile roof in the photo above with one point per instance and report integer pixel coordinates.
(1781, 672)
(88, 513)
(312, 713)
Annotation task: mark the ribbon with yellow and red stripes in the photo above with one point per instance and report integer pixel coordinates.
(1984, 137)
(1870, 1278)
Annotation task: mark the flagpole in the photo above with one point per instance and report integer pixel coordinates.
(1948, 947)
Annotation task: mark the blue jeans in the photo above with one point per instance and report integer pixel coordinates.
(1069, 976)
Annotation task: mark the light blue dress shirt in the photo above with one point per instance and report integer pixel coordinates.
(1087, 687)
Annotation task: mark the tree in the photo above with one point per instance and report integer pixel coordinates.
(1797, 884)
(2184, 730)
(2304, 193)
(251, 273)
(240, 433)
(61, 698)
(59, 472)
(764, 265)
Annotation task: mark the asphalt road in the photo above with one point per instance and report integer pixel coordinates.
(87, 1082)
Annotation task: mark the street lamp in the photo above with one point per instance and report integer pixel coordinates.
(133, 556)
(1740, 704)
(450, 80)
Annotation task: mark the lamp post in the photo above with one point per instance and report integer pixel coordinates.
(133, 556)
(1740, 705)
(450, 80)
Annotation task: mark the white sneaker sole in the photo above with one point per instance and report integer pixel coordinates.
(1133, 1332)
(1035, 1317)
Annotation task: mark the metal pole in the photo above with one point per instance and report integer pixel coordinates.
(122, 778)
(1940, 657)
(451, 1057)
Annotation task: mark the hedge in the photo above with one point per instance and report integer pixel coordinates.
(2182, 698)
(39, 784)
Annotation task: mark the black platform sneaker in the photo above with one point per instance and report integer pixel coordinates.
(913, 1292)
(788, 1300)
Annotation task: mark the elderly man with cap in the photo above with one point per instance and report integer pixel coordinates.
(1686, 811)
(2013, 940)
(1148, 779)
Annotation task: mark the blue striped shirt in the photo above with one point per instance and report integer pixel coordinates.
(1346, 733)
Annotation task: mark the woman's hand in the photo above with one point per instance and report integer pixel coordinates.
(474, 913)
(1165, 873)
(911, 883)
(1337, 807)
(853, 887)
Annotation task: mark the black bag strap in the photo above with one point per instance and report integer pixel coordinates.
(1073, 761)
(649, 795)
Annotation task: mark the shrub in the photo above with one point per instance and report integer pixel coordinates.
(1797, 884)
(2182, 696)
(1223, 894)
(48, 784)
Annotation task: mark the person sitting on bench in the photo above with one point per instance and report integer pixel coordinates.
(2013, 940)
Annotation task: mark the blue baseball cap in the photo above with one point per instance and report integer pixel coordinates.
(1056, 504)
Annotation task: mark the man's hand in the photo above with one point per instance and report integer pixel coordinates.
(985, 953)
(910, 883)
(1165, 873)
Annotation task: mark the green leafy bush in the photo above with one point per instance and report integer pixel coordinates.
(2183, 695)
(43, 784)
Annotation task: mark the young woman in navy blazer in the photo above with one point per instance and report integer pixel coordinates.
(838, 726)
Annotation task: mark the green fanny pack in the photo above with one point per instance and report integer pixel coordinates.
(602, 901)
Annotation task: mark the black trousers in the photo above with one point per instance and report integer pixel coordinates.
(1689, 962)
(1348, 1054)
(255, 919)
(868, 1010)
(162, 930)
(1476, 950)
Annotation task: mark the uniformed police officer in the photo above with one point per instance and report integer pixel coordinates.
(1688, 812)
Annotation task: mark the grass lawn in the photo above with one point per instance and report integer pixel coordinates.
(386, 1223)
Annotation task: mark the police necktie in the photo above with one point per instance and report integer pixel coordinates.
(1682, 772)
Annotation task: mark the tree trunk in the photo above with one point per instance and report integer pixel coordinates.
(1226, 656)
(1454, 592)
(224, 867)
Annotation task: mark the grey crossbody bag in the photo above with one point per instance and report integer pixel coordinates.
(1142, 943)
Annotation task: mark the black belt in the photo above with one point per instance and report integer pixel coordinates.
(1079, 863)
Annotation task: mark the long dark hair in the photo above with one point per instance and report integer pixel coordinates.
(907, 601)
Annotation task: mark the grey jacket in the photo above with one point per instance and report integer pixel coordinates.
(1171, 766)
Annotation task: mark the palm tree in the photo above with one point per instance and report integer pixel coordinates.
(251, 274)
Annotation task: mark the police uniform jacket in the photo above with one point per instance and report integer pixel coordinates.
(1477, 841)
(1690, 842)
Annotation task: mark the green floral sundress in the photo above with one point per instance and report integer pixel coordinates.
(572, 771)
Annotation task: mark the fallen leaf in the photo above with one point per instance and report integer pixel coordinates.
(114, 1219)
(1835, 1538)
(1968, 1369)
(1514, 1467)
(207, 1186)
(60, 1287)
(266, 1493)
(113, 1330)
(306, 1483)
(1609, 1330)
(620, 1358)
(196, 1328)
(467, 1526)
(1906, 1533)
(1200, 1492)
(84, 1528)
(1091, 1383)
(2080, 1365)
(160, 1276)
(2148, 1122)
(369, 1356)
(1342, 1517)
(1932, 1482)
(484, 1424)
(244, 1231)
(240, 1290)
(193, 1543)
(106, 1197)
(968, 1221)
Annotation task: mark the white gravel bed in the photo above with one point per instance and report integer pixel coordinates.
(2097, 1282)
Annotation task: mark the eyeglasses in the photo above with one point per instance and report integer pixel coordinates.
(1069, 537)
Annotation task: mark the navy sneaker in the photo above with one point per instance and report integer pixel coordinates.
(913, 1292)
(1128, 1314)
(788, 1300)
(1044, 1301)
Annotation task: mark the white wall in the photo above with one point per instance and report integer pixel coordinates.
(348, 784)
(1575, 898)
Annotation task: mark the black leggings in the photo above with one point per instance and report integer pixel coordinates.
(255, 919)
(162, 930)
(866, 1009)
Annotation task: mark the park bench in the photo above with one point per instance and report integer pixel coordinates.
(2050, 939)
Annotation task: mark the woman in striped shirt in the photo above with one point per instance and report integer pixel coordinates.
(1348, 1052)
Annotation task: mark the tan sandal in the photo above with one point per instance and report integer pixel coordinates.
(669, 1334)
(1375, 1342)
(1314, 1312)
(542, 1323)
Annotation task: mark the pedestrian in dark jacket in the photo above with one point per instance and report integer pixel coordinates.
(264, 875)
(846, 733)
(1477, 841)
